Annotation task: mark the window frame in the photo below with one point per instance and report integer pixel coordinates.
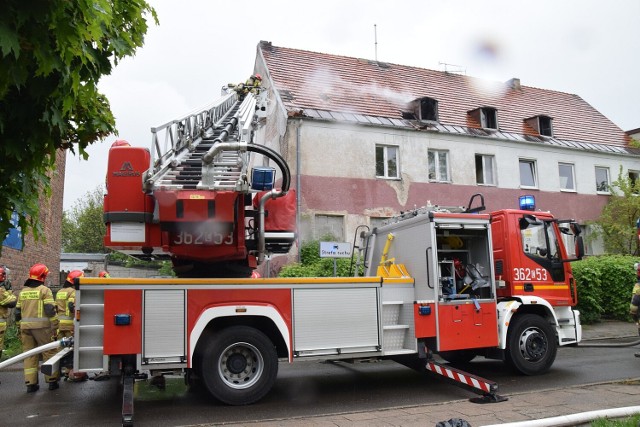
(385, 159)
(633, 180)
(437, 157)
(605, 169)
(483, 158)
(489, 116)
(339, 219)
(534, 172)
(573, 177)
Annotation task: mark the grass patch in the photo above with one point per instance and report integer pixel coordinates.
(633, 421)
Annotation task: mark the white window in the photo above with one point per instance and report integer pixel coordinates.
(438, 165)
(528, 174)
(489, 118)
(387, 162)
(602, 179)
(567, 177)
(485, 169)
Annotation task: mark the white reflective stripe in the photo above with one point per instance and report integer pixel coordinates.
(63, 317)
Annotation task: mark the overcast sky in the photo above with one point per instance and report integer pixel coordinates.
(586, 47)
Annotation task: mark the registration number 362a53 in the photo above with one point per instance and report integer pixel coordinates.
(532, 274)
(202, 238)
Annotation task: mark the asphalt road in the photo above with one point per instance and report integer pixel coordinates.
(303, 388)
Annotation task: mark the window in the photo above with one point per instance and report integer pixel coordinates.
(634, 176)
(429, 109)
(567, 177)
(438, 166)
(602, 179)
(485, 172)
(377, 221)
(489, 118)
(528, 175)
(330, 226)
(542, 124)
(387, 162)
(545, 126)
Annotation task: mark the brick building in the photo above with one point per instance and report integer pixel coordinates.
(47, 249)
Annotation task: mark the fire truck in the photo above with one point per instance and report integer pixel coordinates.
(433, 285)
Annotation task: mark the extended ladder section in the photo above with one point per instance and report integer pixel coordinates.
(178, 163)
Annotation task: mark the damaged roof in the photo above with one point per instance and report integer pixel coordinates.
(332, 87)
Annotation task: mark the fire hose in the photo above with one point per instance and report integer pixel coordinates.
(64, 342)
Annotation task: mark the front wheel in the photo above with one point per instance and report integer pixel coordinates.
(531, 344)
(239, 365)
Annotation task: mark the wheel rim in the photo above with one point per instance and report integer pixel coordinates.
(240, 365)
(533, 344)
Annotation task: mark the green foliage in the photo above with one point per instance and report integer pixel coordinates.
(604, 286)
(12, 343)
(52, 56)
(617, 223)
(83, 228)
(312, 265)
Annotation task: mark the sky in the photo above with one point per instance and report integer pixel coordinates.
(585, 47)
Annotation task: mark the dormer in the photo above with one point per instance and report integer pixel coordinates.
(486, 116)
(542, 124)
(422, 109)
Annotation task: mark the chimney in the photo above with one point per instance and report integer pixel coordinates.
(514, 83)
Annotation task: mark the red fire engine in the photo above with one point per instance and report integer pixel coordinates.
(452, 282)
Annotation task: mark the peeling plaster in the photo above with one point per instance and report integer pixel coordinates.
(401, 188)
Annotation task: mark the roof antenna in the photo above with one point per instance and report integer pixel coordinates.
(375, 37)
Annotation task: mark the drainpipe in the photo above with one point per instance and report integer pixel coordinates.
(298, 189)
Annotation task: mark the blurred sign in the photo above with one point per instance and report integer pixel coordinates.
(14, 238)
(335, 250)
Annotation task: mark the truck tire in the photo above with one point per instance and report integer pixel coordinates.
(531, 344)
(239, 365)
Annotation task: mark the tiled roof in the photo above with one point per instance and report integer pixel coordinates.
(351, 89)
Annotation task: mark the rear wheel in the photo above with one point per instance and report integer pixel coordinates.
(239, 365)
(531, 344)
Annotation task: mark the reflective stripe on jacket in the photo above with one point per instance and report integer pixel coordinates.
(32, 302)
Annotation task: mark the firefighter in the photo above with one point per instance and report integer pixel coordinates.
(252, 85)
(65, 300)
(104, 274)
(36, 312)
(7, 301)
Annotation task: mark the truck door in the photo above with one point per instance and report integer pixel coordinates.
(465, 297)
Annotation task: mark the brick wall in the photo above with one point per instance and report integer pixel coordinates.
(47, 249)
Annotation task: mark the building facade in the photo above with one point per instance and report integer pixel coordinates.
(366, 140)
(47, 249)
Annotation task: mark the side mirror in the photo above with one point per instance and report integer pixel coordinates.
(579, 247)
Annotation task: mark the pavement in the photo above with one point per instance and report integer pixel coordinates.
(567, 406)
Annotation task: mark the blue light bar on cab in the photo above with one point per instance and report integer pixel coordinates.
(528, 203)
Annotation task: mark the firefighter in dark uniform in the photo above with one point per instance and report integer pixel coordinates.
(7, 301)
(36, 312)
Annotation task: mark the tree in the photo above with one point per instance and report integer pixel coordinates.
(617, 223)
(52, 55)
(82, 227)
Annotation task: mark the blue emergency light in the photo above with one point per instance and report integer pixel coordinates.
(527, 203)
(262, 178)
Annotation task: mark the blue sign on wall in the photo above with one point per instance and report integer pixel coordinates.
(14, 238)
